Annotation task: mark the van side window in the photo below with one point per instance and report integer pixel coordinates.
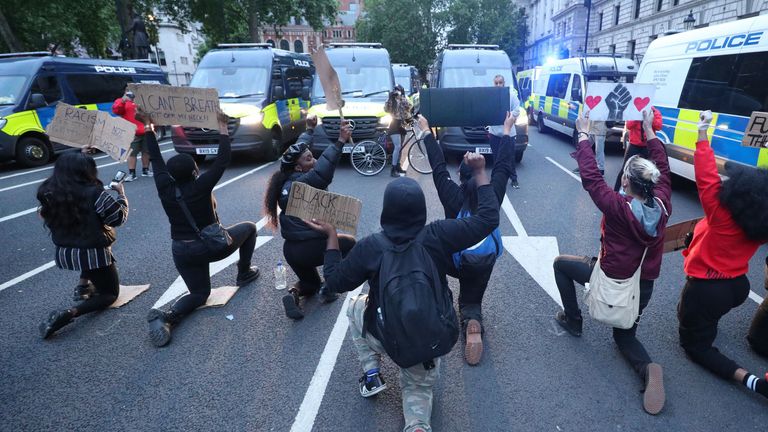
(295, 79)
(558, 85)
(730, 84)
(48, 86)
(93, 88)
(576, 90)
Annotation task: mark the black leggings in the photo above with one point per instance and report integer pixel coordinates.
(702, 303)
(472, 285)
(107, 285)
(758, 331)
(570, 268)
(304, 256)
(192, 259)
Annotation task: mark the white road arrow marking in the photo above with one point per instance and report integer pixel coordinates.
(535, 254)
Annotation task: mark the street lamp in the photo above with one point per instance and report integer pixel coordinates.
(588, 5)
(176, 74)
(689, 21)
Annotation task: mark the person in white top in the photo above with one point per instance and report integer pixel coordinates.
(495, 133)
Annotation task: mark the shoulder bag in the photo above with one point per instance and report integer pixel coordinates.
(214, 236)
(615, 302)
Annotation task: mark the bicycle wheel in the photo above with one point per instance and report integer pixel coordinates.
(417, 158)
(368, 158)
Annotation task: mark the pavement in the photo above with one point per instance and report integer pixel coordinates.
(260, 371)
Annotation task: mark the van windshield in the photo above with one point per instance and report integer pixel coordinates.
(360, 81)
(11, 88)
(233, 82)
(405, 81)
(474, 77)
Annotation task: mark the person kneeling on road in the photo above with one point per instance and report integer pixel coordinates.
(188, 201)
(303, 247)
(407, 254)
(472, 267)
(81, 216)
(631, 240)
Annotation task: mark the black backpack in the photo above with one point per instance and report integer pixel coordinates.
(415, 316)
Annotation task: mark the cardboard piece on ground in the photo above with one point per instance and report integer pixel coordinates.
(756, 134)
(674, 235)
(473, 106)
(220, 296)
(185, 106)
(128, 293)
(113, 136)
(341, 211)
(618, 101)
(71, 126)
(329, 79)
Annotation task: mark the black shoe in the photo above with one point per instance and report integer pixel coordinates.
(291, 305)
(399, 169)
(248, 276)
(576, 171)
(371, 383)
(55, 321)
(394, 172)
(305, 290)
(515, 185)
(570, 325)
(84, 292)
(328, 296)
(159, 327)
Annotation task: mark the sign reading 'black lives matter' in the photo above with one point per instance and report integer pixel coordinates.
(341, 211)
(185, 106)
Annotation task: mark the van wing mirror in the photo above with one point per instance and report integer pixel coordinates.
(36, 100)
(278, 93)
(577, 95)
(305, 93)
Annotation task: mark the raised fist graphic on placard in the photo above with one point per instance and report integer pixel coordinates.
(617, 101)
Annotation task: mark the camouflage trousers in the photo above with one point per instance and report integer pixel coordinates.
(415, 382)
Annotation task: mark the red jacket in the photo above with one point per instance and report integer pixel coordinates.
(623, 238)
(719, 249)
(127, 110)
(635, 128)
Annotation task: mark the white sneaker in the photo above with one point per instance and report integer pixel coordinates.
(130, 178)
(146, 173)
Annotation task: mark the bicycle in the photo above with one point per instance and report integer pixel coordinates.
(417, 153)
(368, 157)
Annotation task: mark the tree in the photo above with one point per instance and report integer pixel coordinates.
(406, 28)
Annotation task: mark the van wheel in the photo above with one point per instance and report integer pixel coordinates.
(275, 150)
(32, 152)
(540, 124)
(530, 116)
(198, 158)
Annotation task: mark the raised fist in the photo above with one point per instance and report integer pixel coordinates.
(617, 100)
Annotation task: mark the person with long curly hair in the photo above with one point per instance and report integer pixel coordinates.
(734, 226)
(81, 217)
(303, 247)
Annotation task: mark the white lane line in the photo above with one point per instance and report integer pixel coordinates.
(567, 171)
(27, 275)
(234, 179)
(42, 180)
(753, 295)
(514, 219)
(305, 419)
(19, 214)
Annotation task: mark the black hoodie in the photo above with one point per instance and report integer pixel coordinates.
(403, 219)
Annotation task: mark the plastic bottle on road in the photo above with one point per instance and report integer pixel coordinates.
(280, 276)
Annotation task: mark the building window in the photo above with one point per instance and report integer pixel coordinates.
(284, 45)
(659, 5)
(298, 46)
(161, 57)
(179, 37)
(616, 11)
(190, 48)
(613, 49)
(184, 60)
(271, 42)
(675, 2)
(637, 8)
(599, 21)
(188, 77)
(631, 49)
(349, 34)
(597, 50)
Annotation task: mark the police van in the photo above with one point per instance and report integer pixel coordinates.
(366, 78)
(723, 68)
(264, 92)
(32, 84)
(525, 80)
(461, 66)
(558, 92)
(408, 77)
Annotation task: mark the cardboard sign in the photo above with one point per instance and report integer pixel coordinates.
(185, 106)
(756, 134)
(341, 211)
(675, 235)
(618, 101)
(329, 79)
(473, 106)
(77, 127)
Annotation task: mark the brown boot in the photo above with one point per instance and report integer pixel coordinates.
(473, 351)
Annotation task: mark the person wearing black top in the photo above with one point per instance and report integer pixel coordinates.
(190, 254)
(403, 220)
(81, 217)
(473, 281)
(303, 248)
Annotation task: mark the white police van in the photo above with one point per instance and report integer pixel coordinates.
(559, 90)
(723, 68)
